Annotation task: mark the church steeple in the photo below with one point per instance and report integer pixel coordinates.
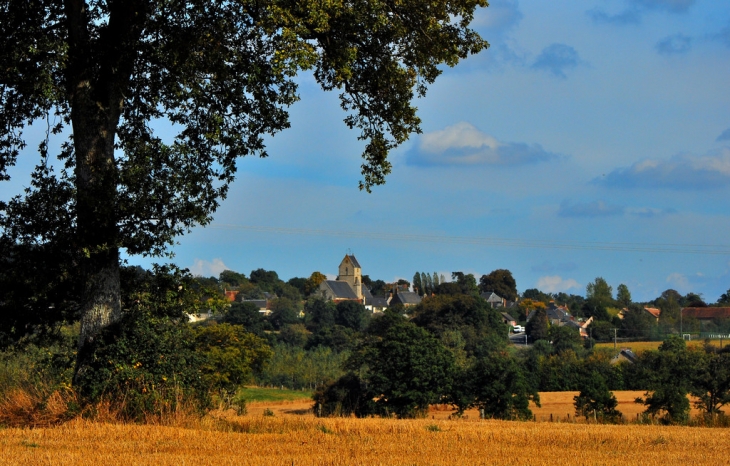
(351, 273)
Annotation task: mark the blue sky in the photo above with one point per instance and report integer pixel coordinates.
(591, 139)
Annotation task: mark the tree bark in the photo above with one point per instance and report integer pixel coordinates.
(97, 76)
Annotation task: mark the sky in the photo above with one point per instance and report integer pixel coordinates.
(592, 139)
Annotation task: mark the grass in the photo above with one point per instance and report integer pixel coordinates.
(259, 394)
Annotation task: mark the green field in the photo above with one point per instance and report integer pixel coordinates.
(254, 394)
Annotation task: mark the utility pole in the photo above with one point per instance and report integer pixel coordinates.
(614, 338)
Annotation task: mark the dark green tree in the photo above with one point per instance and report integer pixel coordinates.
(501, 282)
(352, 314)
(408, 369)
(537, 327)
(467, 283)
(600, 292)
(623, 295)
(220, 73)
(283, 312)
(564, 338)
(595, 400)
(247, 315)
(418, 284)
(669, 373)
(711, 383)
(319, 314)
(496, 384)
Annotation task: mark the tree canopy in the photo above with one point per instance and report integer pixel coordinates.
(220, 76)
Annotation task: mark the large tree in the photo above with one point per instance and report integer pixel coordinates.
(218, 75)
(501, 282)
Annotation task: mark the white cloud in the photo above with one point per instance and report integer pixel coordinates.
(678, 281)
(555, 283)
(203, 268)
(464, 144)
(679, 172)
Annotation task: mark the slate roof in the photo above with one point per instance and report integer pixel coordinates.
(354, 261)
(341, 290)
(406, 297)
(367, 297)
(378, 301)
(260, 303)
(491, 297)
(707, 312)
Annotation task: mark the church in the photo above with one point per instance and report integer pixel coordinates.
(349, 287)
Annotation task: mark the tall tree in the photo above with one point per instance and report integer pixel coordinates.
(417, 283)
(501, 282)
(623, 296)
(435, 280)
(600, 292)
(222, 74)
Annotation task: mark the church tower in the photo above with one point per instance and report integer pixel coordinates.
(351, 273)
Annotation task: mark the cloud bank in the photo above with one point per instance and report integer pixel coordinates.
(589, 209)
(556, 59)
(635, 9)
(679, 172)
(464, 145)
(674, 45)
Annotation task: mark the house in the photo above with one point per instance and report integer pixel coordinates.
(508, 319)
(200, 317)
(654, 312)
(494, 299)
(406, 298)
(334, 290)
(624, 355)
(261, 304)
(706, 314)
(231, 295)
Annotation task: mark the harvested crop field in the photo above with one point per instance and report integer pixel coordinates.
(305, 440)
(290, 434)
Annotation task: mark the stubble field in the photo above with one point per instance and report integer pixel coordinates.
(294, 437)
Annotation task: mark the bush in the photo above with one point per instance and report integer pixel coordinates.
(147, 363)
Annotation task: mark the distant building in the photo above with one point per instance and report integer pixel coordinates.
(406, 298)
(494, 299)
(349, 287)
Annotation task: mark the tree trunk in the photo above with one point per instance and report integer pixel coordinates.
(97, 76)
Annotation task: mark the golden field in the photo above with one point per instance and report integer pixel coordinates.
(293, 437)
(640, 346)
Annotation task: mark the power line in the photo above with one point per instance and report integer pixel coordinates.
(670, 248)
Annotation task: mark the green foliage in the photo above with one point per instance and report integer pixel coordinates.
(283, 312)
(296, 368)
(537, 326)
(669, 374)
(408, 369)
(495, 384)
(294, 335)
(600, 292)
(536, 295)
(466, 282)
(564, 338)
(501, 282)
(352, 314)
(146, 363)
(623, 295)
(595, 400)
(231, 355)
(345, 397)
(248, 316)
(711, 383)
(469, 315)
(637, 323)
